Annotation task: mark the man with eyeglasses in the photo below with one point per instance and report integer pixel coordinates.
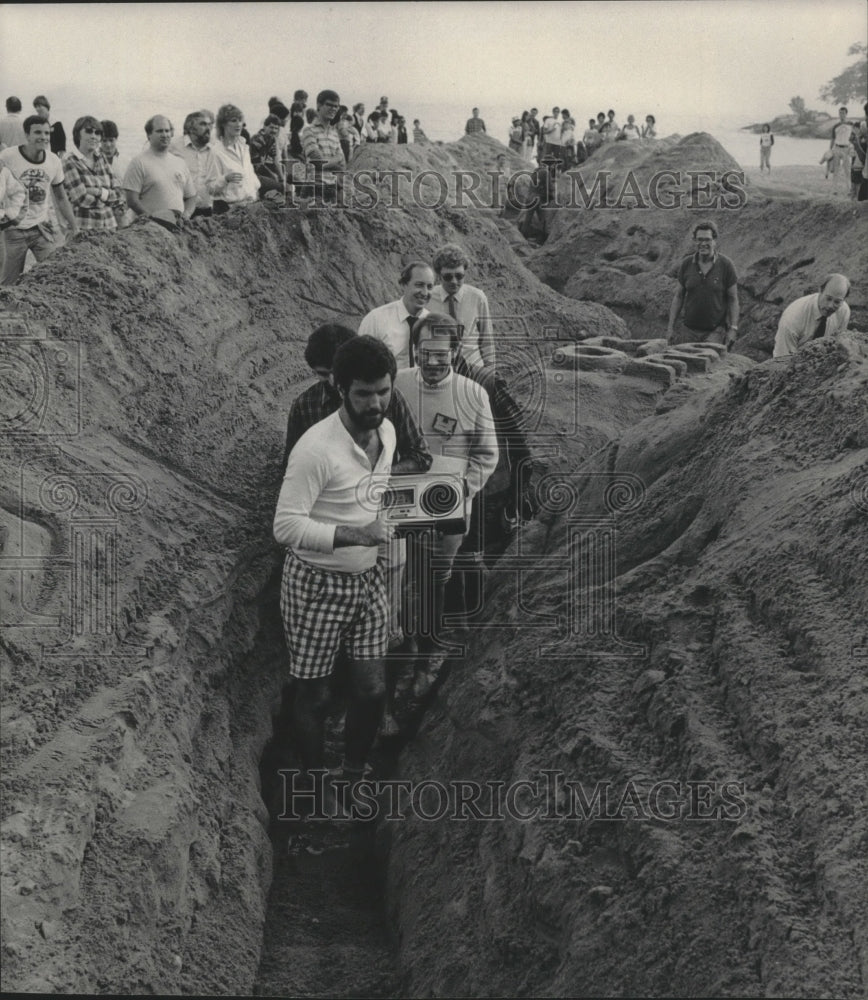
(455, 417)
(707, 292)
(39, 171)
(476, 359)
(321, 143)
(158, 181)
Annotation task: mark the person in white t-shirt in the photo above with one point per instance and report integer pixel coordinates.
(839, 146)
(39, 171)
(157, 181)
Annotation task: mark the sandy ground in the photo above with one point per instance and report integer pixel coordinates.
(722, 639)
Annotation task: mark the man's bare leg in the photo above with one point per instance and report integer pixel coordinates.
(366, 696)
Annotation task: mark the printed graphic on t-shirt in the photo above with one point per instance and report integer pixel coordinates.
(36, 181)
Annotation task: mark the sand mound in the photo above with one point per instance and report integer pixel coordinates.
(628, 258)
(146, 378)
(151, 374)
(733, 656)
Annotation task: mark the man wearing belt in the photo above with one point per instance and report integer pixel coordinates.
(708, 293)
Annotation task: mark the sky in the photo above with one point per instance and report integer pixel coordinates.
(744, 58)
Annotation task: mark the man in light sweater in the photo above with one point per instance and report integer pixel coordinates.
(455, 417)
(332, 590)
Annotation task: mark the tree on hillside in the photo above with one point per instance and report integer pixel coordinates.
(852, 84)
(797, 106)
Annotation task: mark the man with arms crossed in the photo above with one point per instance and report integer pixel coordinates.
(707, 291)
(333, 591)
(823, 314)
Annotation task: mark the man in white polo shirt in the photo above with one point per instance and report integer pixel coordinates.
(392, 322)
(333, 591)
(823, 314)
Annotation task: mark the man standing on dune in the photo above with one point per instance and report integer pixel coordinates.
(474, 124)
(708, 293)
(39, 171)
(158, 182)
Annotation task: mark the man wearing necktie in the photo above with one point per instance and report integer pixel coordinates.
(823, 314)
(468, 305)
(392, 322)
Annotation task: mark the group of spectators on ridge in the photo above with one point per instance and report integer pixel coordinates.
(215, 163)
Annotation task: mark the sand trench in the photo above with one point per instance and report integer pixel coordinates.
(142, 656)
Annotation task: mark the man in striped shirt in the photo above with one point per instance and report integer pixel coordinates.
(321, 143)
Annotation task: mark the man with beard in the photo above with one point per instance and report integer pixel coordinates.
(823, 314)
(708, 293)
(332, 592)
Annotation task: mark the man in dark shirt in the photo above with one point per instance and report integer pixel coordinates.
(708, 293)
(323, 399)
(266, 159)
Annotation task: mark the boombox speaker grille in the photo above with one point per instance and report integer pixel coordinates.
(439, 499)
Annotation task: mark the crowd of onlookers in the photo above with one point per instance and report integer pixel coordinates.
(556, 137)
(215, 163)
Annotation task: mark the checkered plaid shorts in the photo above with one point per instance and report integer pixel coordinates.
(322, 609)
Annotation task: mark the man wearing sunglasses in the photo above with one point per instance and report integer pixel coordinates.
(707, 292)
(476, 359)
(39, 171)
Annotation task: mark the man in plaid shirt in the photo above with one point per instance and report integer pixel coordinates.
(323, 399)
(321, 143)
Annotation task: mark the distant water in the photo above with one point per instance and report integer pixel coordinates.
(445, 122)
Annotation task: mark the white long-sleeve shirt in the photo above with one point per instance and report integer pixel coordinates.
(236, 159)
(329, 482)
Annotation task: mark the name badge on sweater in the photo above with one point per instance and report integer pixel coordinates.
(445, 425)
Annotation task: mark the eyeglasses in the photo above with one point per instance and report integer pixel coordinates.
(92, 131)
(452, 275)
